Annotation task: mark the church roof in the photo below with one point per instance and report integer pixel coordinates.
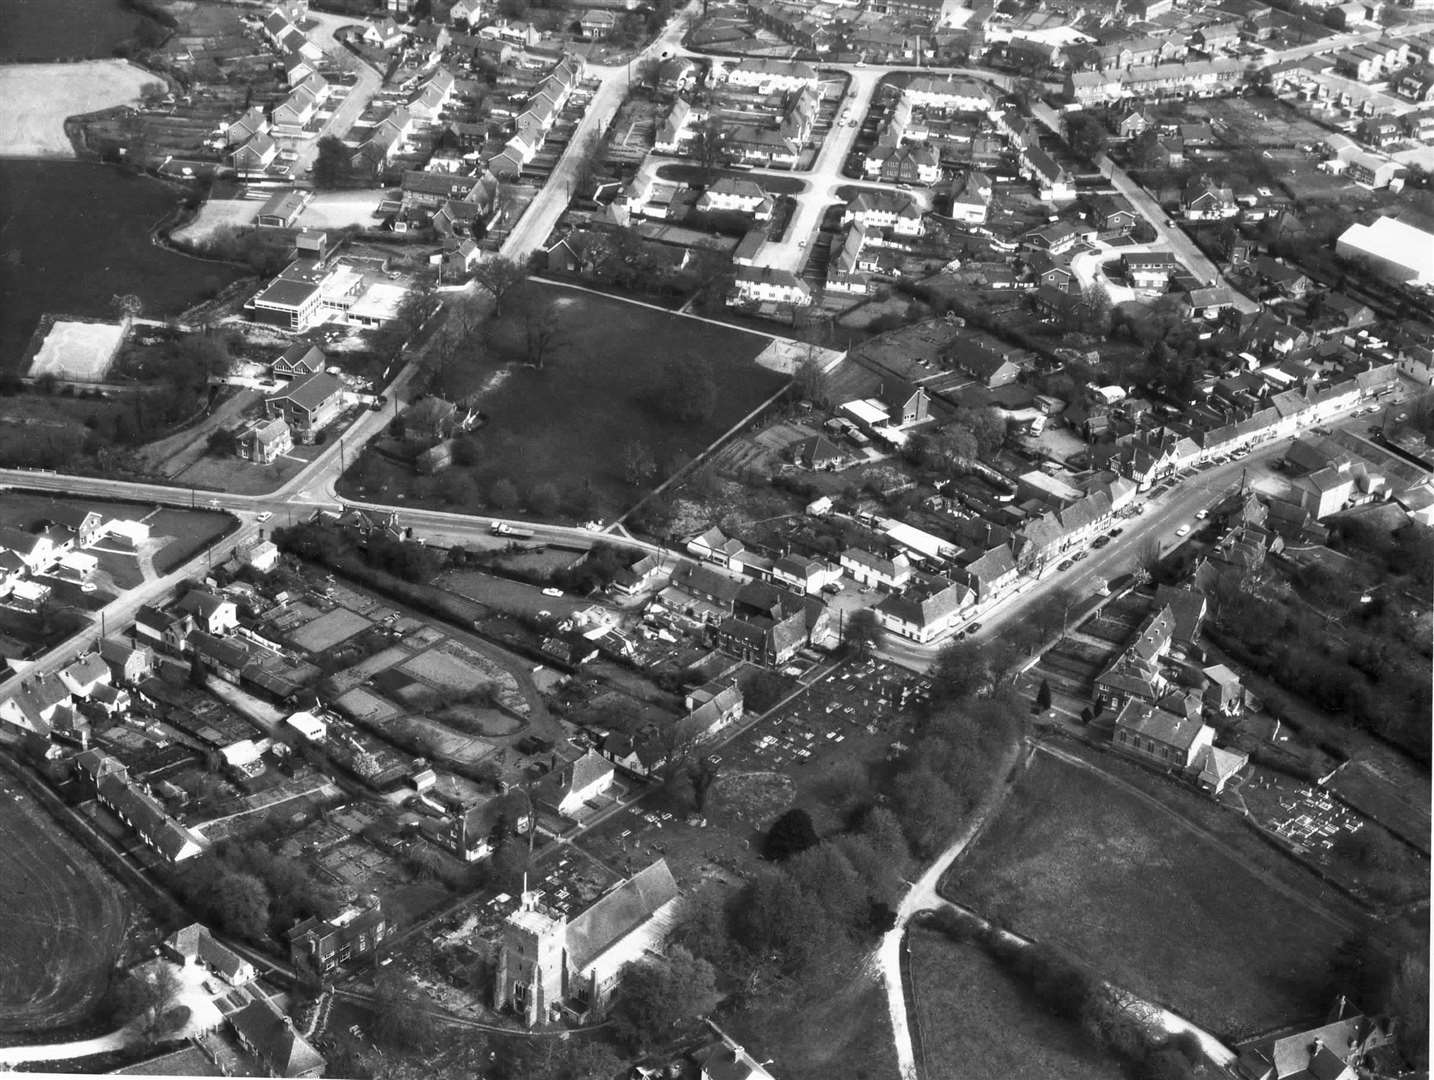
(619, 913)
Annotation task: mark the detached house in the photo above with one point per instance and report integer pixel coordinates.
(83, 674)
(309, 404)
(272, 1038)
(298, 360)
(87, 525)
(38, 551)
(569, 787)
(892, 210)
(1205, 200)
(36, 704)
(263, 439)
(212, 613)
(322, 946)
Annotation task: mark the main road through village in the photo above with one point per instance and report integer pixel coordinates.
(314, 487)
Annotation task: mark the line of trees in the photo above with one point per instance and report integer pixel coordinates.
(1074, 992)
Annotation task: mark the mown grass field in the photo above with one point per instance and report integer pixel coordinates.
(1073, 860)
(64, 922)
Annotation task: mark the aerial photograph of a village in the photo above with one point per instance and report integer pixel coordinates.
(716, 539)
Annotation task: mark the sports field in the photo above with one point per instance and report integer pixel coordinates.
(78, 350)
(36, 99)
(64, 921)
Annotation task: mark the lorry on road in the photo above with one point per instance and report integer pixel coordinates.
(502, 528)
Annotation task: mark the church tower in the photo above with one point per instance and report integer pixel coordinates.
(532, 961)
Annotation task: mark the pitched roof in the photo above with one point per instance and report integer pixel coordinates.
(1159, 725)
(274, 1039)
(311, 391)
(619, 913)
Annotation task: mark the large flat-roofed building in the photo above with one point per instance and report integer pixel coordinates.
(1395, 249)
(307, 293)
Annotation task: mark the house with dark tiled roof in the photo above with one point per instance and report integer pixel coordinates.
(716, 546)
(35, 703)
(298, 360)
(87, 525)
(804, 573)
(1339, 1049)
(83, 674)
(194, 945)
(129, 661)
(927, 608)
(646, 572)
(271, 1037)
(213, 613)
(129, 801)
(819, 453)
(309, 404)
(38, 551)
(991, 365)
(568, 787)
(708, 585)
(990, 573)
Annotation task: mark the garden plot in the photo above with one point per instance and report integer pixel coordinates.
(446, 743)
(328, 630)
(363, 705)
(456, 667)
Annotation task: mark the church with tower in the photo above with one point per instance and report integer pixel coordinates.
(549, 965)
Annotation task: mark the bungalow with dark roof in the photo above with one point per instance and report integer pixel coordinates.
(195, 946)
(271, 1037)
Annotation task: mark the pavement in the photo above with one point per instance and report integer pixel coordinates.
(547, 207)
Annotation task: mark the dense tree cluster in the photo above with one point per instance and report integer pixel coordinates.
(333, 547)
(248, 891)
(1372, 670)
